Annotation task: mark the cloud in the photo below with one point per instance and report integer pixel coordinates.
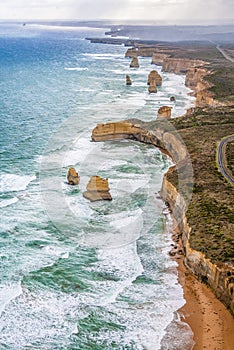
(156, 10)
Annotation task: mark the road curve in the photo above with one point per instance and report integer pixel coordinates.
(225, 55)
(221, 158)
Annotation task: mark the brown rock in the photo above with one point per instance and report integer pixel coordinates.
(152, 88)
(131, 52)
(180, 65)
(73, 177)
(134, 63)
(157, 58)
(154, 78)
(128, 80)
(172, 98)
(164, 112)
(97, 189)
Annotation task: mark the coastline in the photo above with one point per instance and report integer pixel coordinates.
(210, 321)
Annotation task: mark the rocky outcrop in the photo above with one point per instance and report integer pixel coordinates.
(73, 177)
(194, 76)
(113, 131)
(158, 58)
(180, 65)
(128, 80)
(172, 99)
(154, 78)
(152, 89)
(164, 112)
(134, 63)
(97, 189)
(195, 81)
(131, 52)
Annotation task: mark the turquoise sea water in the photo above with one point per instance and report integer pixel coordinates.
(74, 274)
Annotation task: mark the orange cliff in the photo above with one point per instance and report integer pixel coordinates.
(180, 65)
(219, 278)
(195, 81)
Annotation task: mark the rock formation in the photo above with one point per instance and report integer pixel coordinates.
(152, 88)
(134, 63)
(97, 189)
(180, 65)
(195, 81)
(154, 78)
(131, 52)
(172, 98)
(128, 80)
(164, 112)
(158, 58)
(114, 131)
(73, 177)
(193, 76)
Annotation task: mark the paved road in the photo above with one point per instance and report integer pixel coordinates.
(222, 158)
(225, 55)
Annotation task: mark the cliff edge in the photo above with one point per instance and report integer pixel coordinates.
(199, 197)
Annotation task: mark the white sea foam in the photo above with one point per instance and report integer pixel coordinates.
(56, 251)
(7, 202)
(79, 69)
(102, 56)
(8, 293)
(125, 263)
(129, 183)
(80, 151)
(130, 218)
(14, 183)
(79, 206)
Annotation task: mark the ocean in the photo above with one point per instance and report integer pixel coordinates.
(75, 274)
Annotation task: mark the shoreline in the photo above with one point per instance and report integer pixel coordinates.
(210, 321)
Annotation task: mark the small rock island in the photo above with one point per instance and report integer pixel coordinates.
(73, 177)
(97, 189)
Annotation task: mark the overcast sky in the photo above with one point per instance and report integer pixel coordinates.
(172, 11)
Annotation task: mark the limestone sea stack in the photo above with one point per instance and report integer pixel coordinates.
(154, 78)
(73, 177)
(134, 63)
(128, 80)
(152, 88)
(97, 189)
(164, 112)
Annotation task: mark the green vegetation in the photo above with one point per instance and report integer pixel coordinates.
(222, 81)
(211, 210)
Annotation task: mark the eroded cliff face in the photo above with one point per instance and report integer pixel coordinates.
(195, 81)
(158, 58)
(180, 65)
(143, 51)
(219, 277)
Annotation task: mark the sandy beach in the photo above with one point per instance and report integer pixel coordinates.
(210, 321)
